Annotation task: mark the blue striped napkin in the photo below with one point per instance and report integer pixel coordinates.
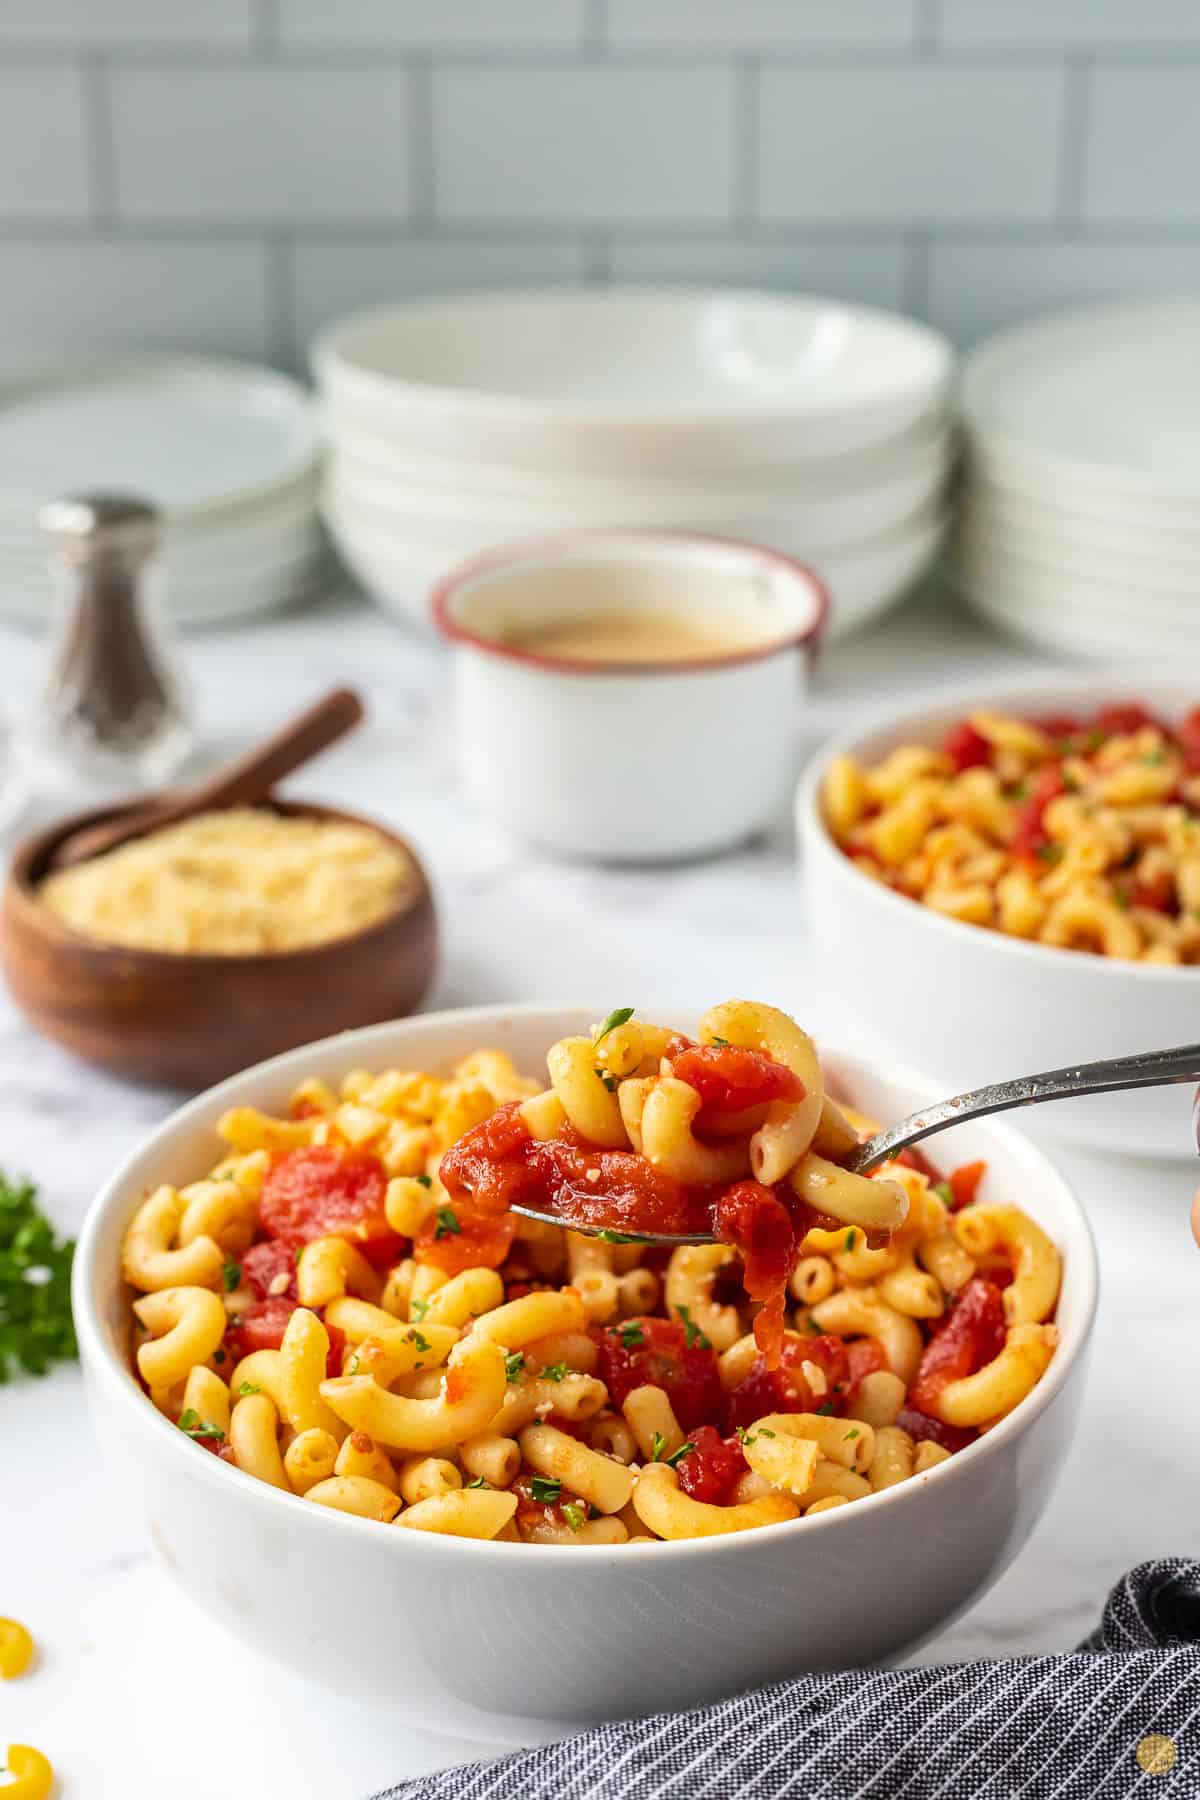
(1119, 1716)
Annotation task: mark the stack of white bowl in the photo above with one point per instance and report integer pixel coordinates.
(1080, 523)
(811, 427)
(228, 451)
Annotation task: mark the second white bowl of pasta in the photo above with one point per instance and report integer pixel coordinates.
(1038, 907)
(614, 1502)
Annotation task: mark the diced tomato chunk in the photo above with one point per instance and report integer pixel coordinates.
(966, 747)
(261, 1326)
(964, 1183)
(1030, 833)
(711, 1468)
(730, 1078)
(1188, 735)
(1059, 726)
(971, 1334)
(760, 1227)
(1123, 719)
(864, 1356)
(455, 1239)
(656, 1353)
(265, 1264)
(324, 1192)
(787, 1389)
(1157, 893)
(921, 1428)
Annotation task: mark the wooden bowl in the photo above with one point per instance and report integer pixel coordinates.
(188, 1020)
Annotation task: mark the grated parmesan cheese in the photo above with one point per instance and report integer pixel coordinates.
(234, 883)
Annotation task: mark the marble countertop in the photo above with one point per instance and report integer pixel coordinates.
(135, 1689)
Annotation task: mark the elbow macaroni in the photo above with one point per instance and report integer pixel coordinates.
(547, 1393)
(1078, 834)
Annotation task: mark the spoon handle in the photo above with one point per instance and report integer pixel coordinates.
(1152, 1068)
(245, 781)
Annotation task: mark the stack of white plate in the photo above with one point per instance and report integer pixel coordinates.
(227, 450)
(1080, 524)
(811, 427)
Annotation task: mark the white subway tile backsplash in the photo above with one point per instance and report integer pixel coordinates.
(76, 294)
(1070, 22)
(975, 288)
(336, 277)
(873, 272)
(583, 146)
(257, 143)
(432, 24)
(1143, 150)
(43, 157)
(749, 23)
(129, 24)
(908, 142)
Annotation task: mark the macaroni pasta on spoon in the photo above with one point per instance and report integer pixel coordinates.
(347, 1308)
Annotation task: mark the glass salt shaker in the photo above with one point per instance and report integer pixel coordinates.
(113, 714)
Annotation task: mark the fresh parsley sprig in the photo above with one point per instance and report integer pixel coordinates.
(36, 1328)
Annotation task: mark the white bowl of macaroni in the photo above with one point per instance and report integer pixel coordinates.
(837, 1529)
(1028, 901)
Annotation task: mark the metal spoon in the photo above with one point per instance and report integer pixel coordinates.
(1152, 1068)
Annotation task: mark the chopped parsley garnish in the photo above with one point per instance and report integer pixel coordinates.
(658, 1444)
(1154, 757)
(631, 1334)
(723, 1042)
(811, 1326)
(424, 1180)
(193, 1426)
(544, 1490)
(299, 1254)
(231, 1275)
(692, 1334)
(218, 1356)
(555, 1372)
(850, 1435)
(621, 1016)
(851, 1239)
(749, 1436)
(615, 1237)
(35, 1285)
(609, 1081)
(418, 1309)
(676, 1456)
(447, 1222)
(514, 1364)
(1050, 852)
(575, 1515)
(249, 1387)
(944, 1192)
(477, 1483)
(420, 1340)
(825, 1410)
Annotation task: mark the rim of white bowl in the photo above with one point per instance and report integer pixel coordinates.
(330, 360)
(101, 1359)
(814, 833)
(559, 546)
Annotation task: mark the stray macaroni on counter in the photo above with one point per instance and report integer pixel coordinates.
(1083, 834)
(346, 1308)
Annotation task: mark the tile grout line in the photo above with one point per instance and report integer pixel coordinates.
(422, 167)
(918, 253)
(99, 139)
(1073, 146)
(264, 40)
(281, 312)
(747, 104)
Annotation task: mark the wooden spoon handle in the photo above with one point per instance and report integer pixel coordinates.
(244, 782)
